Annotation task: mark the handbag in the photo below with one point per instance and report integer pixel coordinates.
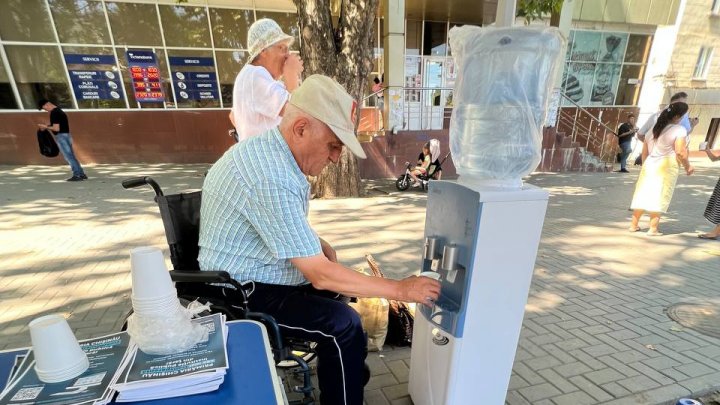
(47, 144)
(400, 319)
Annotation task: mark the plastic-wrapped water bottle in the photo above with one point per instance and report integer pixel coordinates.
(501, 94)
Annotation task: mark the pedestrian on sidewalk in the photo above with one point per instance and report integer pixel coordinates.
(259, 94)
(712, 211)
(625, 136)
(688, 123)
(662, 150)
(60, 127)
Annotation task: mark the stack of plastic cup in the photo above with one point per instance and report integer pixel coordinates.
(58, 356)
(153, 292)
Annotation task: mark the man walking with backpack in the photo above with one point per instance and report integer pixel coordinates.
(61, 129)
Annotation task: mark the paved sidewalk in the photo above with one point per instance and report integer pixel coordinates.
(595, 330)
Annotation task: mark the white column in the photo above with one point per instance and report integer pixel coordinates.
(394, 62)
(506, 11)
(565, 24)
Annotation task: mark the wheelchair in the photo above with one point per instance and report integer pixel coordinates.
(180, 215)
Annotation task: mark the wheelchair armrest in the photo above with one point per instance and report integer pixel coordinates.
(200, 276)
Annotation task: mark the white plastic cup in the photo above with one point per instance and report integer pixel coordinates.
(58, 356)
(703, 146)
(430, 274)
(156, 307)
(150, 276)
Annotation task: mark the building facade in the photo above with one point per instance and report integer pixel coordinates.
(151, 80)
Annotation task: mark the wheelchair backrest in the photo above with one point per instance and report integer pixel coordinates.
(181, 218)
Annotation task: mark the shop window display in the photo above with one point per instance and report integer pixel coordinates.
(39, 73)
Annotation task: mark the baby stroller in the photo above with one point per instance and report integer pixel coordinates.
(434, 171)
(181, 219)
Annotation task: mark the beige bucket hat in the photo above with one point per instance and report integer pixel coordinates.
(263, 34)
(326, 100)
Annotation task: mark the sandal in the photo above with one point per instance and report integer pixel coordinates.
(706, 236)
(634, 229)
(656, 233)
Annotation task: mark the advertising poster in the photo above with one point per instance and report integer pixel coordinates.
(592, 72)
(145, 76)
(94, 77)
(194, 78)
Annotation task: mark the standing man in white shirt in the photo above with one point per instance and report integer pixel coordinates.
(259, 94)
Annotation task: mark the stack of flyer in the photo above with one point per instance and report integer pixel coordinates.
(201, 369)
(106, 355)
(117, 365)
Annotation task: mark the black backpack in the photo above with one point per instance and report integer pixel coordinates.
(47, 144)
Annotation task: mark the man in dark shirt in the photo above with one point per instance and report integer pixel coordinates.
(625, 134)
(60, 127)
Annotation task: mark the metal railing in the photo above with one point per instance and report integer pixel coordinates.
(585, 128)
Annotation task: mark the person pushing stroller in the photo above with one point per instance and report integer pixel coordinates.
(429, 156)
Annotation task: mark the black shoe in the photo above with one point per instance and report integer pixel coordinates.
(621, 171)
(83, 176)
(75, 178)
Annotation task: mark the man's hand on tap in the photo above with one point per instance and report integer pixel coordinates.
(422, 290)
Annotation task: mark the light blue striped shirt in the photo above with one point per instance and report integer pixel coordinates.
(253, 217)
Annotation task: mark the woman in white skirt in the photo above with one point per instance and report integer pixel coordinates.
(661, 154)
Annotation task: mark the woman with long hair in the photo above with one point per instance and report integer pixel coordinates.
(661, 154)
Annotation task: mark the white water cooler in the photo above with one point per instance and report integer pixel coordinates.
(483, 243)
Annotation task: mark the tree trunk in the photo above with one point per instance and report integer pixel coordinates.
(344, 53)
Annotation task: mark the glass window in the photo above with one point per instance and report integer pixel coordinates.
(80, 21)
(195, 79)
(39, 73)
(103, 85)
(25, 20)
(638, 48)
(435, 38)
(287, 21)
(134, 24)
(230, 27)
(413, 37)
(185, 26)
(164, 79)
(630, 83)
(703, 63)
(229, 64)
(7, 98)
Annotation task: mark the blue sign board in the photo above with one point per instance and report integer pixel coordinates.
(145, 76)
(194, 85)
(90, 84)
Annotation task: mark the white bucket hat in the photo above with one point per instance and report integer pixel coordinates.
(263, 34)
(326, 100)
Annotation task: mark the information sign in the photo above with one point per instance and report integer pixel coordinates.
(194, 78)
(93, 77)
(145, 76)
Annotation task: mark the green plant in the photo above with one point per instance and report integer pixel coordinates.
(536, 9)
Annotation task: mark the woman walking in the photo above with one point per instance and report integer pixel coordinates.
(661, 154)
(712, 211)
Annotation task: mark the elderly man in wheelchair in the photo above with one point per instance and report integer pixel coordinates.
(253, 224)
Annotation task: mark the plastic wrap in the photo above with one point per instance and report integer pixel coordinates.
(505, 77)
(169, 332)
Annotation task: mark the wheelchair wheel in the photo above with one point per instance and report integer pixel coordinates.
(306, 353)
(403, 182)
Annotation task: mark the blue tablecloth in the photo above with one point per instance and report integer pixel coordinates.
(251, 378)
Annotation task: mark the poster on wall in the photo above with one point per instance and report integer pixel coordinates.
(145, 76)
(592, 72)
(94, 77)
(194, 78)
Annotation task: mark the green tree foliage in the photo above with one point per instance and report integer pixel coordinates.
(536, 9)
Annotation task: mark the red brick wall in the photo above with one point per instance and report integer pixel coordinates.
(387, 154)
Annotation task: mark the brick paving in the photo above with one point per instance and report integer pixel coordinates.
(595, 331)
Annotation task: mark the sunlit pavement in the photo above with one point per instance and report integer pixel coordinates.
(595, 330)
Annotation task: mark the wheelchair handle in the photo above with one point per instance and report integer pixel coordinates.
(141, 181)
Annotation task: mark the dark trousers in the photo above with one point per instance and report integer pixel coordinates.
(625, 151)
(305, 313)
